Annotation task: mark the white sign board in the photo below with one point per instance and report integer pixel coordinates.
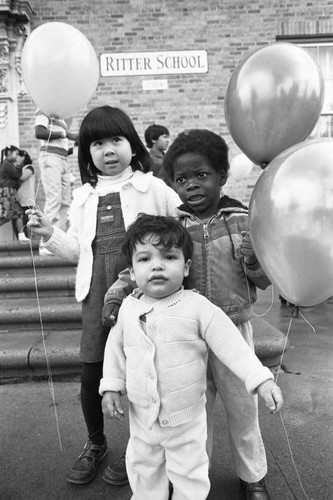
(154, 84)
(154, 63)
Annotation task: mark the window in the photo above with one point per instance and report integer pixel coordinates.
(323, 54)
(320, 47)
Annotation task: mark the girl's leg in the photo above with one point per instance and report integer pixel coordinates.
(85, 467)
(91, 400)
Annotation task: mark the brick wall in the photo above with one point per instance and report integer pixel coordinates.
(227, 29)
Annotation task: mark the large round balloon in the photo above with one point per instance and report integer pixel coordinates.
(273, 100)
(240, 167)
(60, 69)
(291, 222)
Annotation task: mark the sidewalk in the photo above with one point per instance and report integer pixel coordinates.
(34, 466)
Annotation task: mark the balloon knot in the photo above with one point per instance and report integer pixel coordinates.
(295, 312)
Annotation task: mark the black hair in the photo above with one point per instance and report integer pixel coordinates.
(6, 150)
(26, 157)
(153, 132)
(169, 231)
(103, 122)
(205, 142)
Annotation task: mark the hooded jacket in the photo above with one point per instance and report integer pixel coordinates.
(218, 269)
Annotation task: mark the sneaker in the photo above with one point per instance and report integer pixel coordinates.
(254, 491)
(85, 468)
(22, 237)
(116, 473)
(44, 252)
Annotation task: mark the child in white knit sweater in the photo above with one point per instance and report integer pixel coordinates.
(157, 352)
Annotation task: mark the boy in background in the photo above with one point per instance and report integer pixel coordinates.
(157, 139)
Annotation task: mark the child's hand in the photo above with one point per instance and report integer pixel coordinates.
(39, 224)
(246, 249)
(111, 405)
(110, 314)
(272, 395)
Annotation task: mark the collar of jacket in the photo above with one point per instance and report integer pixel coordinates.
(226, 204)
(140, 181)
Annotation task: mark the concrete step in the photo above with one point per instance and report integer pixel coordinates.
(13, 286)
(18, 247)
(27, 313)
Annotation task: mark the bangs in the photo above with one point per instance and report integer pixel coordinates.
(103, 124)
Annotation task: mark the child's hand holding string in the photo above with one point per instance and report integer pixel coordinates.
(39, 224)
(111, 405)
(272, 395)
(246, 249)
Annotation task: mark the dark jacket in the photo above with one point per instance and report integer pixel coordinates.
(10, 174)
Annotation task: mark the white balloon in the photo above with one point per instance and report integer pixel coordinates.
(240, 167)
(60, 69)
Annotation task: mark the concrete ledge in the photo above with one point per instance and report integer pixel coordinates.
(21, 261)
(269, 342)
(23, 355)
(50, 282)
(55, 309)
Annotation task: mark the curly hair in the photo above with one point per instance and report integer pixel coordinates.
(168, 230)
(205, 142)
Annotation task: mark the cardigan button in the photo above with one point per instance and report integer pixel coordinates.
(164, 422)
(109, 207)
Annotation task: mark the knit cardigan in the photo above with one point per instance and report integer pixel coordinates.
(141, 193)
(164, 370)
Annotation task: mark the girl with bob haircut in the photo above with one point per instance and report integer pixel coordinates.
(117, 186)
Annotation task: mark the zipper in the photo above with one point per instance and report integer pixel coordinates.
(205, 230)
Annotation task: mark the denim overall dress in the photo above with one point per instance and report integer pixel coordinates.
(108, 261)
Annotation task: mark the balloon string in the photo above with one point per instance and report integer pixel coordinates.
(279, 371)
(281, 417)
(257, 315)
(33, 204)
(48, 365)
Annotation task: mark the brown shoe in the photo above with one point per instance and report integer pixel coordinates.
(116, 473)
(254, 491)
(85, 468)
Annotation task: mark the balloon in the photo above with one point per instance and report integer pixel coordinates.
(273, 100)
(240, 167)
(291, 222)
(60, 69)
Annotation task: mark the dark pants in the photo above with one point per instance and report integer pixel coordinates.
(91, 375)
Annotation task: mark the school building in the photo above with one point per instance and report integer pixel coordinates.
(167, 62)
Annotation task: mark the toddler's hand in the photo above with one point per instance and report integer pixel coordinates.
(272, 395)
(111, 405)
(110, 314)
